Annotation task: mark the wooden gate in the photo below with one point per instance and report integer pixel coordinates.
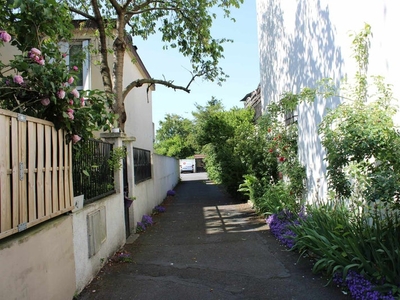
(35, 172)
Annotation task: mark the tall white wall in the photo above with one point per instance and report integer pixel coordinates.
(139, 109)
(303, 41)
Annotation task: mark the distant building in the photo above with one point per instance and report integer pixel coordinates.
(253, 99)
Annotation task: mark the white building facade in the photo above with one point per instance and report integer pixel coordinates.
(304, 41)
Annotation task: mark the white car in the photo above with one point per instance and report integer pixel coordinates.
(187, 168)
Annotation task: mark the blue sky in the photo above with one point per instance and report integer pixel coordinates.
(240, 63)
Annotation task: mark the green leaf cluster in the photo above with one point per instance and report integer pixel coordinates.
(78, 113)
(343, 239)
(175, 137)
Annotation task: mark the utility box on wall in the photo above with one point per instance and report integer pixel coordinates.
(97, 230)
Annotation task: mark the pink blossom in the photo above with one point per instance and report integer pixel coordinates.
(75, 68)
(71, 80)
(35, 55)
(45, 101)
(64, 55)
(82, 101)
(71, 102)
(5, 37)
(18, 79)
(70, 113)
(76, 138)
(75, 93)
(36, 51)
(61, 94)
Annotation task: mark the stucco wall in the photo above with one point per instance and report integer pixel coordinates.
(139, 109)
(303, 41)
(87, 268)
(39, 263)
(152, 192)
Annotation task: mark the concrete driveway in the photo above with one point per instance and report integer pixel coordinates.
(206, 246)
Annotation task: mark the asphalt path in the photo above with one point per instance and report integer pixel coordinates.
(207, 246)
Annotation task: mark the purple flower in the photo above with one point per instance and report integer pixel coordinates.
(140, 226)
(4, 36)
(170, 193)
(159, 209)
(147, 220)
(279, 226)
(359, 287)
(18, 79)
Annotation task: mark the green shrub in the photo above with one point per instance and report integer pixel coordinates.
(342, 239)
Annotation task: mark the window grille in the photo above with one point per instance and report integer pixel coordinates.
(142, 165)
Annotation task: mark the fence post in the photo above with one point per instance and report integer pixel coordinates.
(116, 138)
(128, 141)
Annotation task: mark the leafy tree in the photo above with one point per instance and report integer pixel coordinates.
(224, 136)
(37, 82)
(175, 137)
(183, 24)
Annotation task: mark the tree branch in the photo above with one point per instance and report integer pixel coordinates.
(140, 82)
(83, 14)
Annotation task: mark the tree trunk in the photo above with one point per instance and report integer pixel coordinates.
(119, 52)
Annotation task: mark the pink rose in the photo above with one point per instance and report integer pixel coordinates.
(71, 80)
(75, 93)
(70, 113)
(82, 101)
(36, 51)
(61, 94)
(5, 37)
(41, 62)
(71, 102)
(18, 79)
(45, 101)
(64, 55)
(75, 68)
(76, 138)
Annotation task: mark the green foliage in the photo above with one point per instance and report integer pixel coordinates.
(360, 138)
(31, 22)
(184, 25)
(116, 157)
(37, 82)
(175, 137)
(225, 136)
(344, 238)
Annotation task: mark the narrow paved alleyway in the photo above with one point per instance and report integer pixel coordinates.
(207, 247)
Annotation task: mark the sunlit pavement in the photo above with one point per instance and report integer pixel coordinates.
(208, 246)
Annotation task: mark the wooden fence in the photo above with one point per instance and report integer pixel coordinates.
(35, 172)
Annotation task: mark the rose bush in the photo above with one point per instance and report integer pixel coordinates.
(39, 83)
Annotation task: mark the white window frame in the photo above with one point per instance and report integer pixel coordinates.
(86, 72)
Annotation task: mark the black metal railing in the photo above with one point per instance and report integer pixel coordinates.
(92, 175)
(142, 165)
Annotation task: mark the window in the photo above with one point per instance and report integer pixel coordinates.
(78, 55)
(141, 165)
(290, 117)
